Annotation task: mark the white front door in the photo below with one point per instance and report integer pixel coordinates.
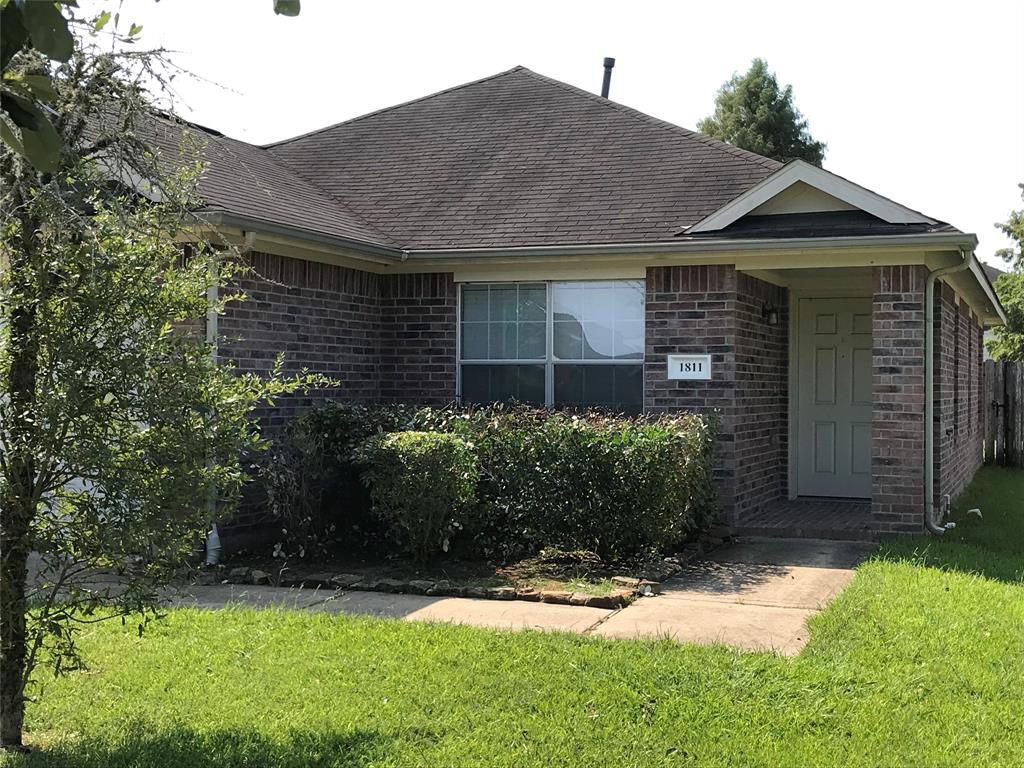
(834, 397)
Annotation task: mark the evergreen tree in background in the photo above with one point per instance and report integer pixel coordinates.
(752, 112)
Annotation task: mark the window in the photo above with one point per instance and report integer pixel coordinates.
(561, 344)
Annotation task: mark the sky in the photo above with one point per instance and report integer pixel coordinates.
(922, 102)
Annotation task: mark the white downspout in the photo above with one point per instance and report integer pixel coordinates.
(931, 523)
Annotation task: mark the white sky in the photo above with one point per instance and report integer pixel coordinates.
(920, 101)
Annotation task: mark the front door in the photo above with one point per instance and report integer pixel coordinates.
(834, 398)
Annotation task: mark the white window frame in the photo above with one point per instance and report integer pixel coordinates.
(548, 361)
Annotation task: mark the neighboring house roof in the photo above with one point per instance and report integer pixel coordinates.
(992, 273)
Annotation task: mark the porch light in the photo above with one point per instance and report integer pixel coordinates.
(770, 314)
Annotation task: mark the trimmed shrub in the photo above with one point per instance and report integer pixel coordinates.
(312, 482)
(622, 487)
(421, 484)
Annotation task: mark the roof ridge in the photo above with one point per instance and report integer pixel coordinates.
(385, 238)
(766, 162)
(272, 144)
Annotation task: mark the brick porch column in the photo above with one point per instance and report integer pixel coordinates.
(692, 309)
(897, 424)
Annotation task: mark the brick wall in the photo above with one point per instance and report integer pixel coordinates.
(417, 333)
(762, 395)
(322, 317)
(385, 337)
(958, 360)
(716, 310)
(897, 430)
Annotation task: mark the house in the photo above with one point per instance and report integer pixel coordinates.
(517, 237)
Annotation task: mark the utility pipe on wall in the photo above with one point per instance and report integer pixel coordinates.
(931, 523)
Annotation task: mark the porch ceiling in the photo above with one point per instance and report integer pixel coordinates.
(854, 279)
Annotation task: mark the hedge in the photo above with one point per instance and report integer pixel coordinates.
(620, 486)
(422, 484)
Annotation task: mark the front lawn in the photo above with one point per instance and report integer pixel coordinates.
(920, 662)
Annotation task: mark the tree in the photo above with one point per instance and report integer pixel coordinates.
(754, 113)
(117, 424)
(42, 26)
(1007, 342)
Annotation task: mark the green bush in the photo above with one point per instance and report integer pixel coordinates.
(312, 482)
(422, 484)
(622, 487)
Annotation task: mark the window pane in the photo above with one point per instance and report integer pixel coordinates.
(512, 318)
(531, 341)
(629, 300)
(503, 383)
(629, 387)
(608, 315)
(474, 341)
(474, 302)
(568, 301)
(598, 388)
(597, 342)
(533, 301)
(568, 340)
(606, 386)
(502, 341)
(504, 302)
(598, 303)
(629, 340)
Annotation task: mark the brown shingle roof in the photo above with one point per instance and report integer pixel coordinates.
(519, 159)
(514, 159)
(248, 181)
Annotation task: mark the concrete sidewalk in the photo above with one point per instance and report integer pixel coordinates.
(756, 595)
(497, 614)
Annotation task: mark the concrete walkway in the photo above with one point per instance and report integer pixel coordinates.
(497, 614)
(755, 595)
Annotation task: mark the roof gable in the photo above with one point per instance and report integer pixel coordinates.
(799, 187)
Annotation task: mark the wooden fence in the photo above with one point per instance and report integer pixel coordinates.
(1003, 401)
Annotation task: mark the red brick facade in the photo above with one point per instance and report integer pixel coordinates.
(958, 406)
(897, 430)
(417, 338)
(393, 338)
(762, 394)
(717, 310)
(385, 337)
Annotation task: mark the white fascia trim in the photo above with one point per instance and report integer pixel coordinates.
(829, 183)
(986, 286)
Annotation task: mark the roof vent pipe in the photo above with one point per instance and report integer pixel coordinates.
(608, 64)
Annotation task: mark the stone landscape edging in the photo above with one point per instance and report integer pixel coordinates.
(646, 584)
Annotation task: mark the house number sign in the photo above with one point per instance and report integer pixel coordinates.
(690, 367)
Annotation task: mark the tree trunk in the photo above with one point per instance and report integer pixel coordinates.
(13, 646)
(17, 503)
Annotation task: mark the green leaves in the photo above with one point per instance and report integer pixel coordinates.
(23, 125)
(36, 138)
(47, 28)
(286, 7)
(101, 21)
(754, 113)
(1007, 342)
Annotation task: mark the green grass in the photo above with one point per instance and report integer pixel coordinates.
(920, 662)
